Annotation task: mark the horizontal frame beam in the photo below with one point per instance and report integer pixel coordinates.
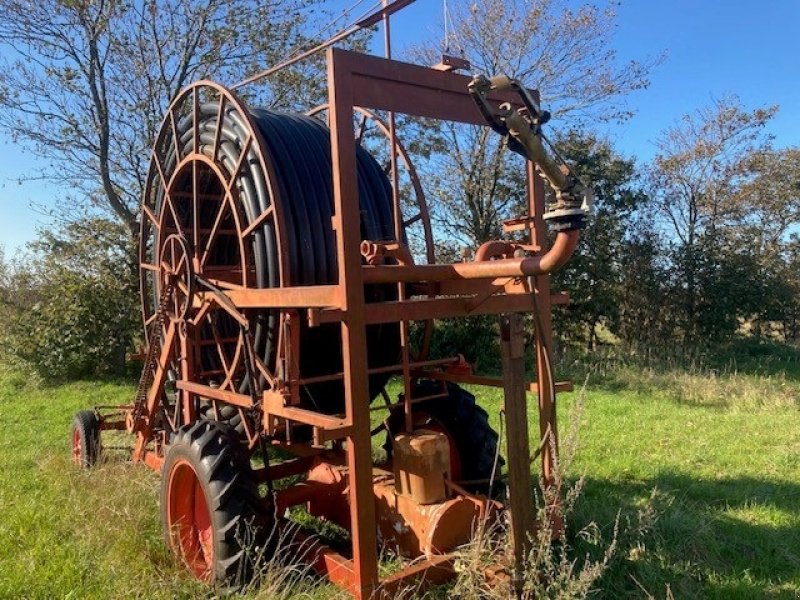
(240, 400)
(414, 90)
(306, 296)
(531, 386)
(438, 308)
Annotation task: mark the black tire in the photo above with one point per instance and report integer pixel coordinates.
(228, 414)
(236, 523)
(465, 423)
(85, 437)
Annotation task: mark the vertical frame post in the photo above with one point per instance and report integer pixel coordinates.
(512, 348)
(397, 214)
(187, 367)
(347, 225)
(548, 428)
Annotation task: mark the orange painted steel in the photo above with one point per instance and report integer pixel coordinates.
(425, 530)
(341, 100)
(77, 453)
(409, 527)
(188, 520)
(342, 484)
(563, 248)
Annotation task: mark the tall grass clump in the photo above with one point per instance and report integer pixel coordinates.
(755, 377)
(124, 496)
(565, 559)
(282, 569)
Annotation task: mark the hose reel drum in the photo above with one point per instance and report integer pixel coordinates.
(247, 194)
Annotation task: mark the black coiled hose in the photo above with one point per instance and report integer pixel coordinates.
(298, 149)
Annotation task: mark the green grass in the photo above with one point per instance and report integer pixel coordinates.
(729, 493)
(722, 452)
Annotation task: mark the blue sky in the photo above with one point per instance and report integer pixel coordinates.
(713, 47)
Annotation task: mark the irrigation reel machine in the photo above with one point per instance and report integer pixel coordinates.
(278, 295)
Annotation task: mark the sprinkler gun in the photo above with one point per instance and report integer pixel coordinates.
(522, 129)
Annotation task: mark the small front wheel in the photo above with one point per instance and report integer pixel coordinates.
(85, 439)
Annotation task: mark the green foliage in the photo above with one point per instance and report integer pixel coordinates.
(708, 254)
(646, 320)
(594, 274)
(476, 338)
(71, 307)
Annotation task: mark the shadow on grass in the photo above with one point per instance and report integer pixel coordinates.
(722, 538)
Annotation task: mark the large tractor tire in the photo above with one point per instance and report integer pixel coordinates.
(85, 438)
(210, 504)
(473, 442)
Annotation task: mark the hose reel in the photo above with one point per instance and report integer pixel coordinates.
(250, 192)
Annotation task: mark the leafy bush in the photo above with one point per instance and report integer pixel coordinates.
(70, 307)
(476, 338)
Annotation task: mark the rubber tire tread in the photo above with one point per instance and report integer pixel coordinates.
(88, 427)
(214, 451)
(465, 420)
(228, 414)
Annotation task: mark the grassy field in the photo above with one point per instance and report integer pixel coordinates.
(714, 459)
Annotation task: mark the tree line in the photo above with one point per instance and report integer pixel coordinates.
(691, 249)
(695, 248)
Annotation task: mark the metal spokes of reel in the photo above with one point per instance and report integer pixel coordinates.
(249, 191)
(203, 213)
(176, 270)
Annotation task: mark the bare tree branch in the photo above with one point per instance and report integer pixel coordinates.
(85, 83)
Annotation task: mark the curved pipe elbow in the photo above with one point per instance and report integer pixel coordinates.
(562, 249)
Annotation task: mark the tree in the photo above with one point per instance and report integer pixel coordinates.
(593, 275)
(770, 201)
(791, 312)
(700, 164)
(645, 315)
(86, 82)
(70, 309)
(566, 54)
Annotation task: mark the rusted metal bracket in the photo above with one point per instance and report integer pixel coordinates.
(452, 63)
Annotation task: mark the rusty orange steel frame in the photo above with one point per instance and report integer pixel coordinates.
(497, 282)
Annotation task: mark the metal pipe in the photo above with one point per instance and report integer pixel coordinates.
(521, 130)
(492, 249)
(561, 251)
(364, 23)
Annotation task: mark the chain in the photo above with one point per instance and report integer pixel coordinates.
(153, 352)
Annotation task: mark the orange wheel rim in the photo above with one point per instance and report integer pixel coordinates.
(76, 447)
(189, 521)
